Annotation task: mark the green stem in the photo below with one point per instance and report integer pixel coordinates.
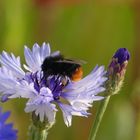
(37, 134)
(98, 119)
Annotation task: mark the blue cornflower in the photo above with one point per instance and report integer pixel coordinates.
(6, 130)
(43, 93)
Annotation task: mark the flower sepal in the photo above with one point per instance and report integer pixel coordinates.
(38, 130)
(41, 125)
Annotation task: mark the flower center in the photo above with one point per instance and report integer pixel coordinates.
(55, 83)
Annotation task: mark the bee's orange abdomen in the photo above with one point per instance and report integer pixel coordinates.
(77, 75)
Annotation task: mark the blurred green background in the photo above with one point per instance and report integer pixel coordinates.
(91, 30)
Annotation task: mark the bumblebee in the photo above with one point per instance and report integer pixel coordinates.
(58, 65)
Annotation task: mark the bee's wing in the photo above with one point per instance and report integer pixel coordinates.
(72, 61)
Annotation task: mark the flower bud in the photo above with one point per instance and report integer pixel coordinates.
(116, 70)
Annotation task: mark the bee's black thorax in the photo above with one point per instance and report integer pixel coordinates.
(55, 65)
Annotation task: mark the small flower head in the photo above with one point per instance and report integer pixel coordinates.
(47, 92)
(117, 69)
(6, 130)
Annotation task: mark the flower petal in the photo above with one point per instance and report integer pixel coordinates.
(6, 130)
(43, 109)
(12, 63)
(42, 105)
(84, 91)
(35, 58)
(7, 82)
(68, 111)
(11, 87)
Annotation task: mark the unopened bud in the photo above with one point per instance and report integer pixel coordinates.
(116, 70)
